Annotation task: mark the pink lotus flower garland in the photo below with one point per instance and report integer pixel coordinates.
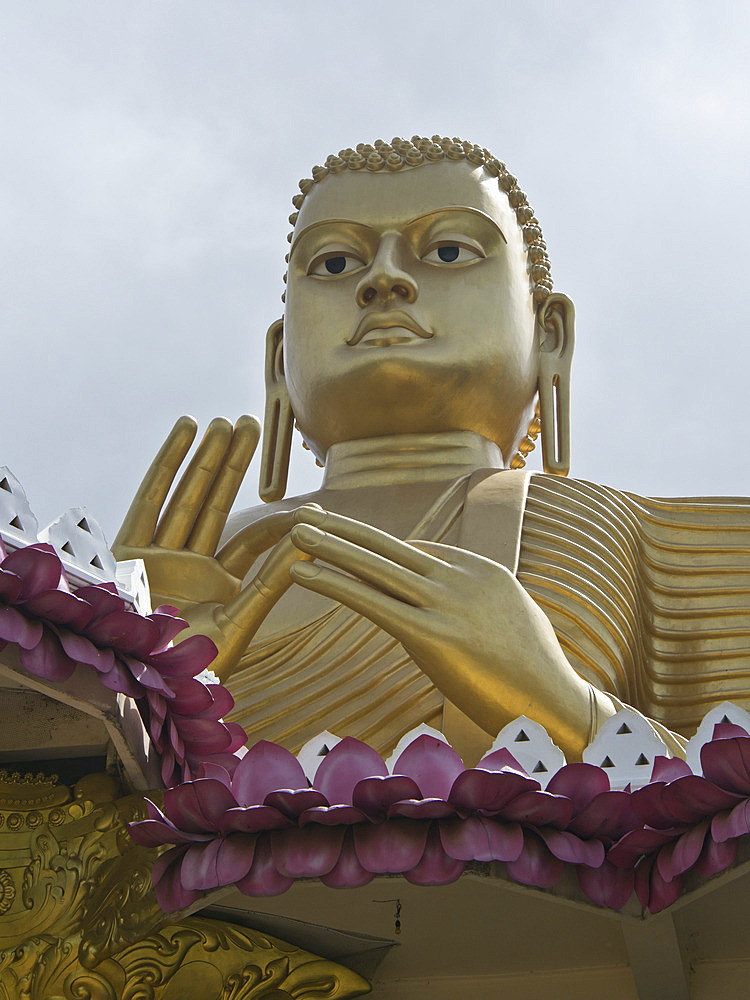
(258, 825)
(132, 654)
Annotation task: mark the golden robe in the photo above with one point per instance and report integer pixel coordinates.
(650, 600)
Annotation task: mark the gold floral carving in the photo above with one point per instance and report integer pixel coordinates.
(79, 920)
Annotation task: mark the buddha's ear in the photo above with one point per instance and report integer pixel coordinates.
(279, 419)
(555, 332)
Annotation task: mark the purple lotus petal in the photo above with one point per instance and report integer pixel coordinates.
(535, 865)
(61, 608)
(10, 586)
(208, 769)
(37, 565)
(175, 740)
(432, 764)
(539, 808)
(581, 783)
(219, 862)
(155, 833)
(649, 806)
(103, 598)
(187, 659)
(567, 847)
(198, 869)
(126, 631)
(16, 628)
(222, 702)
(435, 866)
(609, 815)
(332, 816)
(198, 806)
(48, 659)
(478, 839)
(715, 857)
(227, 761)
(727, 764)
(263, 879)
(344, 766)
(169, 624)
(347, 873)
(237, 735)
(607, 885)
(252, 819)
(190, 696)
(633, 845)
(676, 858)
(691, 798)
(669, 768)
(120, 680)
(265, 768)
(422, 809)
(374, 795)
(661, 894)
(394, 846)
(307, 853)
(235, 857)
(157, 706)
(728, 730)
(147, 676)
(82, 650)
(168, 775)
(171, 895)
(203, 734)
(293, 803)
(502, 760)
(489, 791)
(731, 823)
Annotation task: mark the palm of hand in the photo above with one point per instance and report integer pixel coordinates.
(179, 546)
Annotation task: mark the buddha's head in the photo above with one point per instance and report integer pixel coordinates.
(419, 300)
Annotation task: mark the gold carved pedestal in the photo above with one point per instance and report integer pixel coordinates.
(79, 921)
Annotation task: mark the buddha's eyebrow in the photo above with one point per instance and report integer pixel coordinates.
(436, 213)
(330, 222)
(461, 210)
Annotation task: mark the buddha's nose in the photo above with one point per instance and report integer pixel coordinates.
(385, 278)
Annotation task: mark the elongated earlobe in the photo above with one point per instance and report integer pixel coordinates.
(278, 423)
(555, 328)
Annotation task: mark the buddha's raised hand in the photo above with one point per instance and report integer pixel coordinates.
(464, 619)
(179, 545)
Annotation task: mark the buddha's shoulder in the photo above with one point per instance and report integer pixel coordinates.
(572, 493)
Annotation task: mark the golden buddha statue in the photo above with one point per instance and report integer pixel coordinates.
(431, 579)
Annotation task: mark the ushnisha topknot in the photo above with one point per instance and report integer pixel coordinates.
(418, 151)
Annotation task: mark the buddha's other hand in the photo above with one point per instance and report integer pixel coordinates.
(464, 619)
(179, 545)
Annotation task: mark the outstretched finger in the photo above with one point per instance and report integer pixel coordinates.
(386, 575)
(367, 537)
(243, 615)
(213, 516)
(395, 617)
(140, 521)
(183, 508)
(240, 552)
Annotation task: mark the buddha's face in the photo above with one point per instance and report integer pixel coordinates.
(409, 309)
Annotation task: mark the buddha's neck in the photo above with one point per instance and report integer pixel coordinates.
(408, 458)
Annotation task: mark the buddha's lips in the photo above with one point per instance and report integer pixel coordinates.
(388, 320)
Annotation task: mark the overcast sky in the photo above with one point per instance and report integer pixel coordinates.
(151, 149)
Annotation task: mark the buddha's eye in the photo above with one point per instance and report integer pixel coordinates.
(449, 252)
(331, 264)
